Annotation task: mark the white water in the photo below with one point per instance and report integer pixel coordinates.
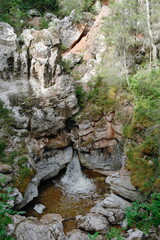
(74, 181)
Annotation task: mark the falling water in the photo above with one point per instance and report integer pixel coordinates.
(74, 181)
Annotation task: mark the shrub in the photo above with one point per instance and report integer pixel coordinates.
(5, 212)
(145, 215)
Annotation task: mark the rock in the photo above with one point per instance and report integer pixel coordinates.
(33, 13)
(72, 59)
(112, 208)
(48, 167)
(39, 208)
(7, 48)
(93, 223)
(69, 32)
(102, 159)
(33, 229)
(17, 196)
(76, 234)
(5, 168)
(135, 235)
(113, 201)
(121, 185)
(5, 179)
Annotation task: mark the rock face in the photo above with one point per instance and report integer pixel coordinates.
(98, 143)
(46, 168)
(48, 228)
(121, 185)
(69, 32)
(7, 48)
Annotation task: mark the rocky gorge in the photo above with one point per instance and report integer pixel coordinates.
(47, 126)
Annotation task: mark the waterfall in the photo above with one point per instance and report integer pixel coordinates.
(74, 181)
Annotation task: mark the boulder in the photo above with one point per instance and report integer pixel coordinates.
(135, 234)
(112, 208)
(33, 229)
(93, 223)
(39, 208)
(120, 184)
(76, 234)
(5, 168)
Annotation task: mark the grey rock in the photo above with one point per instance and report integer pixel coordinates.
(46, 168)
(5, 168)
(121, 185)
(76, 234)
(98, 159)
(113, 201)
(7, 48)
(135, 235)
(93, 223)
(72, 59)
(33, 229)
(33, 13)
(68, 31)
(39, 208)
(112, 208)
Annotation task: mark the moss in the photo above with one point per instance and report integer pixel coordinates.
(24, 177)
(87, 142)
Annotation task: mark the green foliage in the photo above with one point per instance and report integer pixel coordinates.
(145, 215)
(144, 130)
(94, 236)
(80, 6)
(81, 95)
(5, 212)
(114, 233)
(6, 120)
(43, 23)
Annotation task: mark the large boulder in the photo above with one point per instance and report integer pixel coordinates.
(93, 223)
(120, 184)
(112, 208)
(48, 228)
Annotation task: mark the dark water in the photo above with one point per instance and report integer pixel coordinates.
(56, 200)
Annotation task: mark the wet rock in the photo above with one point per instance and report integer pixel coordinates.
(33, 229)
(121, 185)
(93, 223)
(39, 208)
(48, 167)
(5, 168)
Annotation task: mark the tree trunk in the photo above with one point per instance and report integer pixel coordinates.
(154, 48)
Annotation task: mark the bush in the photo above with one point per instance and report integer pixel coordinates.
(80, 6)
(5, 212)
(145, 215)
